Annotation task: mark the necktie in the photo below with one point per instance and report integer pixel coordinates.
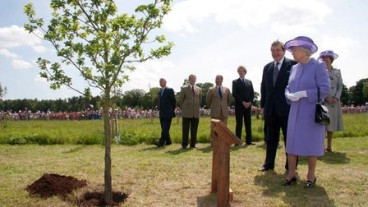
(219, 91)
(192, 89)
(275, 72)
(162, 92)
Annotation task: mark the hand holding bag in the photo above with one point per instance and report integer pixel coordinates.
(321, 115)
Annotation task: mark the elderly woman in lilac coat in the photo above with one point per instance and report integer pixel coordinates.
(305, 137)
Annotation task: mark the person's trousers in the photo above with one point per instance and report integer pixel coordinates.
(274, 124)
(239, 115)
(192, 125)
(165, 131)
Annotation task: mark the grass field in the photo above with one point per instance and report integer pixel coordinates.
(170, 176)
(135, 131)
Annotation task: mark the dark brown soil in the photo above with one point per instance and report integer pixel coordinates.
(53, 184)
(60, 185)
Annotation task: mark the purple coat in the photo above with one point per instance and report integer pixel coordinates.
(305, 137)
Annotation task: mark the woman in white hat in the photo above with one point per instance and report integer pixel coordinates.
(332, 101)
(305, 136)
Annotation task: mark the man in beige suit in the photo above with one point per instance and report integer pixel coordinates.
(190, 99)
(218, 99)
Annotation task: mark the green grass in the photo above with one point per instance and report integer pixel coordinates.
(135, 131)
(171, 177)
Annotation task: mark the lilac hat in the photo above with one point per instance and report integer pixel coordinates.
(328, 53)
(301, 41)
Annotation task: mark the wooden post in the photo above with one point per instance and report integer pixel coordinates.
(222, 141)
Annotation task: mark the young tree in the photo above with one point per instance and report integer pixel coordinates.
(102, 45)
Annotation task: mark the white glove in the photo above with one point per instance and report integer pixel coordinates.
(291, 96)
(301, 94)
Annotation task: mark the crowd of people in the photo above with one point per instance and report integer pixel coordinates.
(130, 113)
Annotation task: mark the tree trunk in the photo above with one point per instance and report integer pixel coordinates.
(108, 185)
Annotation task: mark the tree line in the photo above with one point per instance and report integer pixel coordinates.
(137, 98)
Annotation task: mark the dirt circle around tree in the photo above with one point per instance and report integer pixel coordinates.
(61, 185)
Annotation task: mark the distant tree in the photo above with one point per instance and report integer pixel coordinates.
(102, 45)
(357, 96)
(256, 101)
(205, 88)
(2, 92)
(150, 99)
(345, 97)
(132, 98)
(365, 91)
(186, 81)
(2, 95)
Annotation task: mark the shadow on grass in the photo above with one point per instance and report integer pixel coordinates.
(335, 158)
(294, 195)
(209, 200)
(152, 147)
(207, 149)
(75, 149)
(179, 151)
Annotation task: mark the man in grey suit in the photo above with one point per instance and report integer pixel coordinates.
(190, 99)
(167, 104)
(274, 107)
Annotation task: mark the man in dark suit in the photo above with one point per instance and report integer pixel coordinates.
(167, 103)
(274, 107)
(243, 93)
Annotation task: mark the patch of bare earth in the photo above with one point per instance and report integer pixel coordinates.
(60, 185)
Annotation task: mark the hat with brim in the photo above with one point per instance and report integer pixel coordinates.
(328, 53)
(301, 41)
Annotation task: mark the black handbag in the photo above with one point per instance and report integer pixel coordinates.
(321, 115)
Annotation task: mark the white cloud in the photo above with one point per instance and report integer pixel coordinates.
(148, 74)
(7, 53)
(16, 36)
(338, 44)
(284, 15)
(21, 64)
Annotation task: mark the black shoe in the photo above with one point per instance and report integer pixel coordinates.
(310, 184)
(159, 144)
(287, 182)
(168, 143)
(183, 148)
(250, 143)
(193, 147)
(264, 169)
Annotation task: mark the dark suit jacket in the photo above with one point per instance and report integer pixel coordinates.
(242, 92)
(167, 103)
(273, 97)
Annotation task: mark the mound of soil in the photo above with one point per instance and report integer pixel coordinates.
(60, 185)
(53, 184)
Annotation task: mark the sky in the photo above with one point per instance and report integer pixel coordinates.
(211, 37)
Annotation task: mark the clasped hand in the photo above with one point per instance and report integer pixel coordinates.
(296, 96)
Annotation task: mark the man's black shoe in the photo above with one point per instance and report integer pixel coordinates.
(159, 144)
